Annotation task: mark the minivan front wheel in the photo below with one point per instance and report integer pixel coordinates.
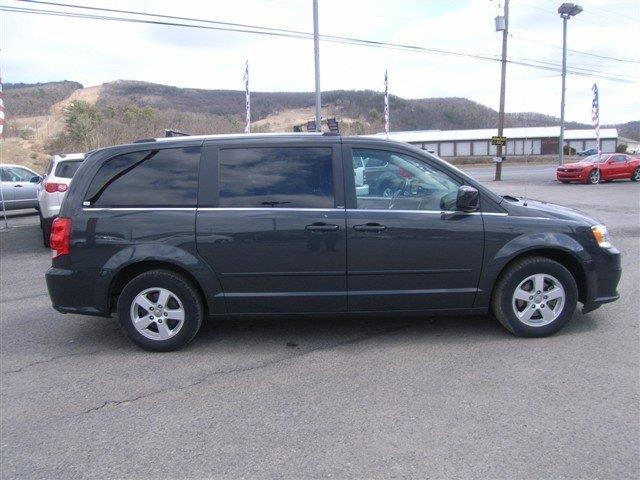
(535, 297)
(160, 310)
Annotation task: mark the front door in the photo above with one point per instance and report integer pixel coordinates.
(24, 191)
(408, 247)
(273, 228)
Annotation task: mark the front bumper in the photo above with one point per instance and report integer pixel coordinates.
(603, 279)
(572, 176)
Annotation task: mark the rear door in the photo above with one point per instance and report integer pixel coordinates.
(271, 223)
(7, 187)
(408, 249)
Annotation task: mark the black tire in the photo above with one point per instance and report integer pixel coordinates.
(182, 289)
(594, 177)
(45, 226)
(564, 181)
(510, 279)
(635, 175)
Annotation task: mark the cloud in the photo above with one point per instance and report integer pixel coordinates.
(37, 48)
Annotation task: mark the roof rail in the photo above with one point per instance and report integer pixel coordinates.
(330, 134)
(144, 140)
(168, 132)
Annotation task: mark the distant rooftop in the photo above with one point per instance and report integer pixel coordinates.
(425, 136)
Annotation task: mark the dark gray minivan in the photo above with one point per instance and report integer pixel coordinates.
(166, 232)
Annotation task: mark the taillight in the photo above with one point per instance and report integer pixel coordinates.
(53, 187)
(60, 240)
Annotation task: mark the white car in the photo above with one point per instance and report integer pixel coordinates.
(18, 185)
(358, 172)
(53, 188)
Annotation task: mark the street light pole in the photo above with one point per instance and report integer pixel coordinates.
(316, 49)
(564, 80)
(566, 11)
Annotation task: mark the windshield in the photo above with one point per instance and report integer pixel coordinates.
(67, 168)
(595, 158)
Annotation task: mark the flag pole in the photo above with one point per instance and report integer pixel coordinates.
(247, 99)
(4, 209)
(386, 104)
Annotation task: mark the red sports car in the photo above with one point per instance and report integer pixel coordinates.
(597, 168)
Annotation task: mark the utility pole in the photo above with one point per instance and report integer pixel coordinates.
(566, 11)
(316, 49)
(503, 78)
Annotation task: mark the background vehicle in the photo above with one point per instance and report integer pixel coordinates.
(588, 152)
(53, 188)
(605, 167)
(170, 231)
(18, 187)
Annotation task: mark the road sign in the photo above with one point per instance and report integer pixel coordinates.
(496, 140)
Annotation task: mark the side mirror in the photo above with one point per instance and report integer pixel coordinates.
(36, 179)
(467, 199)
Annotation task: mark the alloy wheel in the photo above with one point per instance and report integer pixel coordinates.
(157, 313)
(594, 177)
(538, 300)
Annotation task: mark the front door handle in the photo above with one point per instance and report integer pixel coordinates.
(17, 186)
(322, 227)
(369, 227)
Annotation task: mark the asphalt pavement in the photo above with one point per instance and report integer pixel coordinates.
(453, 397)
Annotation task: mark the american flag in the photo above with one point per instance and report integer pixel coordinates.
(247, 98)
(595, 115)
(386, 104)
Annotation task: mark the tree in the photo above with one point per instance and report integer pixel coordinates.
(82, 120)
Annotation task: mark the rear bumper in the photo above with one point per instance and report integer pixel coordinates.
(72, 291)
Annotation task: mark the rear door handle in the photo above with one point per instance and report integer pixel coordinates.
(369, 227)
(322, 227)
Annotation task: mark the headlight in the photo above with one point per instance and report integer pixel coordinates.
(601, 235)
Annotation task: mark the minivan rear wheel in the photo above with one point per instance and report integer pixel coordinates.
(160, 310)
(534, 297)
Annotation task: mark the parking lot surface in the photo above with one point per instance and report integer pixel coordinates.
(453, 397)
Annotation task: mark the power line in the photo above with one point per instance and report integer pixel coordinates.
(254, 29)
(579, 52)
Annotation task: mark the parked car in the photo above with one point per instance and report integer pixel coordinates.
(18, 185)
(169, 232)
(588, 152)
(597, 168)
(53, 188)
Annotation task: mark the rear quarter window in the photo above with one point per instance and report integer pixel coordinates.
(148, 178)
(67, 169)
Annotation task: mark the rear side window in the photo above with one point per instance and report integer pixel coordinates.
(149, 178)
(67, 169)
(272, 177)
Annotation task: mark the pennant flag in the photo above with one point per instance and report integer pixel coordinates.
(1, 109)
(595, 115)
(386, 104)
(247, 98)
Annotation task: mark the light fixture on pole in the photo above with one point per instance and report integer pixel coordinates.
(566, 11)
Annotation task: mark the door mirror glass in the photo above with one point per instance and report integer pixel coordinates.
(467, 199)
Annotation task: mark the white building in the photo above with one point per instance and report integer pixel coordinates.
(520, 141)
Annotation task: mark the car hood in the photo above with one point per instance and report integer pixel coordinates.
(577, 165)
(536, 208)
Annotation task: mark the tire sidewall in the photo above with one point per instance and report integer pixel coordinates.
(178, 286)
(516, 277)
(590, 181)
(634, 174)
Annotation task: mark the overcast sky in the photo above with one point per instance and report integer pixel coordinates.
(44, 48)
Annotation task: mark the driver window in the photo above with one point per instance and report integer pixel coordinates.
(17, 174)
(390, 181)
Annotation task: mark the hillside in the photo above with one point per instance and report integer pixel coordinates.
(62, 116)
